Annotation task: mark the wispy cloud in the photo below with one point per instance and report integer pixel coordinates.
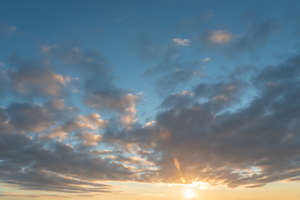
(206, 60)
(219, 37)
(181, 42)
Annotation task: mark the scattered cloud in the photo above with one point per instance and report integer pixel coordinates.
(120, 102)
(52, 139)
(47, 48)
(30, 118)
(252, 38)
(181, 42)
(206, 60)
(169, 82)
(31, 78)
(206, 138)
(219, 37)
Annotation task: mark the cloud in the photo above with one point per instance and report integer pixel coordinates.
(96, 81)
(79, 124)
(178, 99)
(114, 101)
(210, 143)
(169, 60)
(92, 121)
(219, 37)
(50, 143)
(206, 60)
(255, 36)
(181, 42)
(50, 166)
(59, 157)
(47, 48)
(5, 85)
(249, 146)
(36, 79)
(88, 64)
(172, 70)
(169, 82)
(118, 101)
(30, 118)
(95, 73)
(31, 196)
(89, 138)
(5, 127)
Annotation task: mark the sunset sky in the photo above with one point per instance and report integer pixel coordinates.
(150, 100)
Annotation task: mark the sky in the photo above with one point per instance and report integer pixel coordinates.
(150, 100)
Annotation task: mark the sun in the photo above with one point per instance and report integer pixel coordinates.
(189, 193)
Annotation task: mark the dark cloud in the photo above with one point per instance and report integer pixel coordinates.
(30, 196)
(4, 126)
(251, 146)
(178, 100)
(286, 72)
(92, 67)
(206, 133)
(30, 118)
(96, 78)
(47, 165)
(34, 78)
(116, 100)
(60, 157)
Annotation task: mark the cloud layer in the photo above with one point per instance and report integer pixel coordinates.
(66, 126)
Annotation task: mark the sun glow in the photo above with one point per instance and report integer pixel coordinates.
(189, 193)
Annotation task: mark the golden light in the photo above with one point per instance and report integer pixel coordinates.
(189, 193)
(200, 185)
